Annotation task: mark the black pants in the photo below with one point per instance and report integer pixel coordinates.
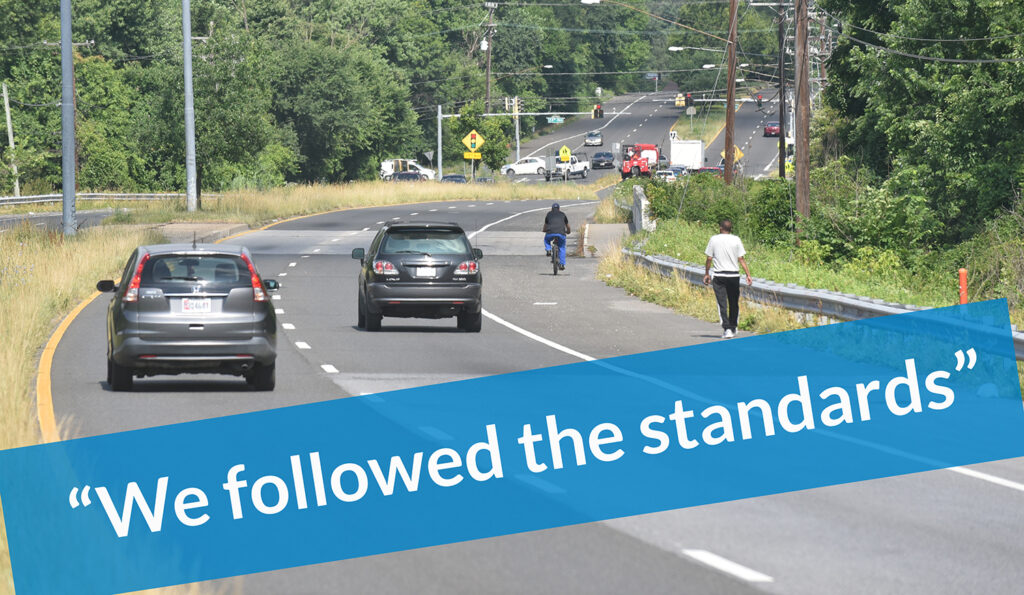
(727, 292)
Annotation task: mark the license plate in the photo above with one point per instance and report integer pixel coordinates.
(196, 305)
(426, 272)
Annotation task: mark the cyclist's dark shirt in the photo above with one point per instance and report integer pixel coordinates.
(556, 222)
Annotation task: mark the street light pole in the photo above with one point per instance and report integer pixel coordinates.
(67, 124)
(730, 98)
(782, 92)
(490, 34)
(191, 198)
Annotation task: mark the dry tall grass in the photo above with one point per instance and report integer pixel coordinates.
(261, 206)
(43, 276)
(608, 212)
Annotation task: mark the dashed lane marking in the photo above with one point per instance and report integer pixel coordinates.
(728, 566)
(288, 326)
(302, 345)
(329, 368)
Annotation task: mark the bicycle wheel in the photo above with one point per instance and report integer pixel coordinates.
(554, 258)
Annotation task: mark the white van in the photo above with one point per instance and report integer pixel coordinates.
(388, 167)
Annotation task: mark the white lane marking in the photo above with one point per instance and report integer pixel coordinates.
(433, 210)
(329, 368)
(282, 274)
(316, 249)
(366, 229)
(634, 130)
(568, 138)
(395, 218)
(288, 326)
(291, 264)
(471, 206)
(275, 297)
(771, 163)
(451, 207)
(336, 240)
(380, 223)
(538, 338)
(410, 214)
(490, 203)
(305, 255)
(545, 303)
(302, 345)
(278, 311)
(728, 566)
(484, 228)
(999, 481)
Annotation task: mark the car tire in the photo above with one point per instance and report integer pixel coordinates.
(584, 174)
(471, 323)
(361, 319)
(510, 173)
(262, 377)
(373, 321)
(541, 171)
(119, 377)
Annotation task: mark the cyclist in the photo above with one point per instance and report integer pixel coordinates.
(556, 225)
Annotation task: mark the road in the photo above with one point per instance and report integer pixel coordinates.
(760, 153)
(936, 532)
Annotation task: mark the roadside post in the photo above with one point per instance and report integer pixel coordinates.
(963, 286)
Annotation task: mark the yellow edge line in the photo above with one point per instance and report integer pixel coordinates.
(44, 397)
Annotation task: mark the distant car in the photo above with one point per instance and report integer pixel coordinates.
(678, 170)
(420, 270)
(593, 139)
(454, 179)
(408, 176)
(665, 174)
(525, 166)
(772, 129)
(662, 161)
(603, 160)
(484, 180)
(718, 171)
(190, 308)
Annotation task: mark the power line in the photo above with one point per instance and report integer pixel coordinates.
(932, 58)
(926, 39)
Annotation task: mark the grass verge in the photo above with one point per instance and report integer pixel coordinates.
(261, 206)
(704, 128)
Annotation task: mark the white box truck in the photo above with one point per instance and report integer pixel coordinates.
(686, 153)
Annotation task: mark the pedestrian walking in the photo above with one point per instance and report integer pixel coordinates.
(725, 253)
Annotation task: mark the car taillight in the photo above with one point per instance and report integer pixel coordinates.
(469, 267)
(384, 267)
(132, 293)
(258, 294)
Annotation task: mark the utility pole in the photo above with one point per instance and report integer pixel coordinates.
(10, 142)
(803, 116)
(515, 116)
(191, 199)
(440, 152)
(782, 91)
(490, 34)
(67, 121)
(730, 97)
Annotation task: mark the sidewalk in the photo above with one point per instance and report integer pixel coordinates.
(603, 236)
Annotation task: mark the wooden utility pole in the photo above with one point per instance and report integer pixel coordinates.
(730, 96)
(803, 116)
(490, 34)
(10, 142)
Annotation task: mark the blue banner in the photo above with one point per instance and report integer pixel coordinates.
(511, 453)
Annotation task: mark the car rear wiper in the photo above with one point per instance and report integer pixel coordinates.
(413, 252)
(181, 278)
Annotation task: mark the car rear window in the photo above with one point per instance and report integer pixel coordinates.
(425, 241)
(602, 155)
(189, 269)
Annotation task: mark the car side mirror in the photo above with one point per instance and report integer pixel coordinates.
(478, 253)
(358, 254)
(272, 284)
(106, 286)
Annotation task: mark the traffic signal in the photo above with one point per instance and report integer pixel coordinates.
(600, 111)
(689, 100)
(507, 102)
(759, 100)
(520, 105)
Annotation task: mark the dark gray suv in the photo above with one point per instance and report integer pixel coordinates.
(188, 308)
(420, 270)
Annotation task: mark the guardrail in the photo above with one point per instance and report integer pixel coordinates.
(43, 198)
(831, 305)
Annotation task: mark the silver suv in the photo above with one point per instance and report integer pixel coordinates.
(188, 308)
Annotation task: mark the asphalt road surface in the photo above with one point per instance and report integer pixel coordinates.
(927, 533)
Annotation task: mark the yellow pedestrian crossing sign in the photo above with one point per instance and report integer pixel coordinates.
(738, 154)
(473, 141)
(565, 153)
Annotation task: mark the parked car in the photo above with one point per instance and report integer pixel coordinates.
(408, 176)
(603, 160)
(484, 180)
(190, 308)
(772, 129)
(678, 170)
(420, 270)
(593, 139)
(525, 166)
(665, 174)
(454, 179)
(389, 167)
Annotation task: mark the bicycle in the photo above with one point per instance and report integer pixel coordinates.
(555, 264)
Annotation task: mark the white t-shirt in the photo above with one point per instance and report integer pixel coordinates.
(725, 250)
